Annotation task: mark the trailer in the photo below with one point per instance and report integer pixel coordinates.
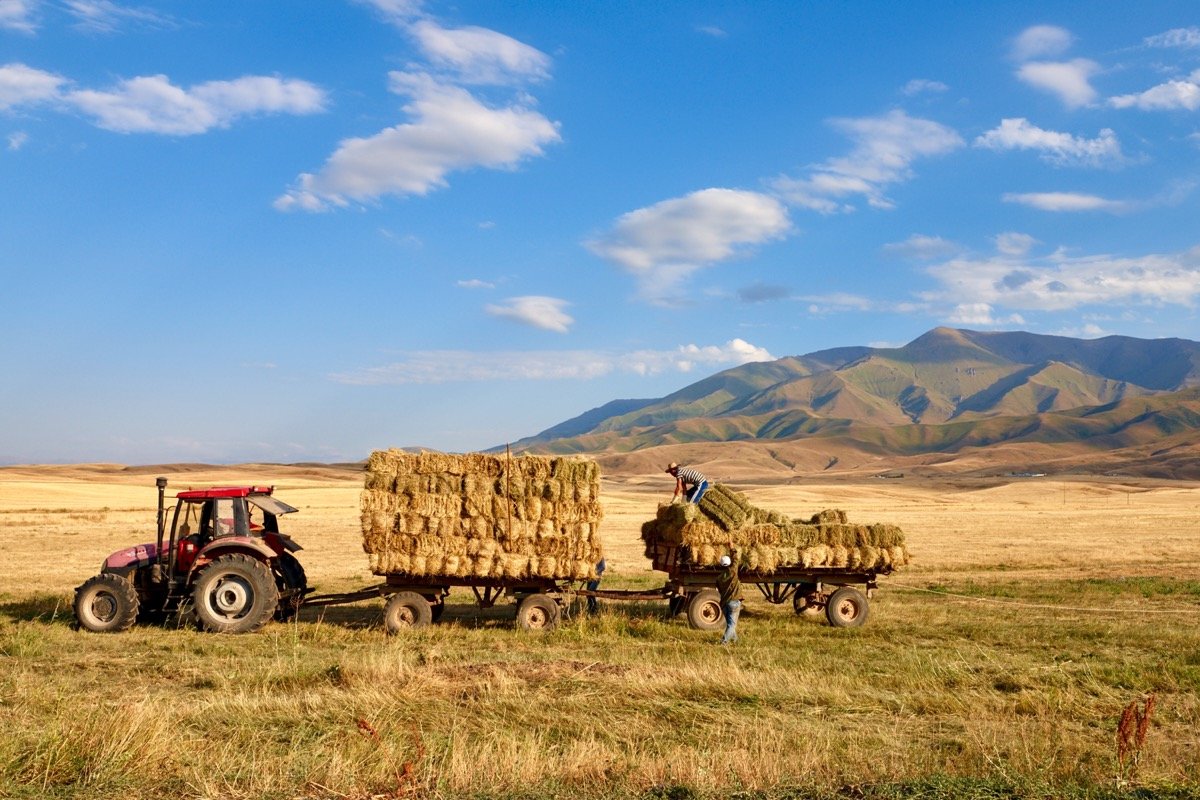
(416, 601)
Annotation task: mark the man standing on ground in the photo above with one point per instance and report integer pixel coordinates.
(689, 482)
(730, 588)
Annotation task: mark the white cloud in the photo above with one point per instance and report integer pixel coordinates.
(884, 150)
(980, 314)
(449, 366)
(713, 31)
(104, 16)
(1014, 244)
(17, 15)
(480, 55)
(1069, 80)
(536, 311)
(923, 86)
(475, 283)
(17, 140)
(400, 12)
(1169, 96)
(1067, 202)
(1055, 147)
(153, 104)
(1060, 282)
(1041, 41)
(451, 130)
(1176, 37)
(20, 84)
(664, 243)
(921, 247)
(836, 302)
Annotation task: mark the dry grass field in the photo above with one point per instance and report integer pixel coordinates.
(997, 665)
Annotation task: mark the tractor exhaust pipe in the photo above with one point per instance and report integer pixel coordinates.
(156, 570)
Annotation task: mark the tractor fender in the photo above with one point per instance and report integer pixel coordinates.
(255, 548)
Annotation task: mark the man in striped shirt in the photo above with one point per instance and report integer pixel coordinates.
(688, 482)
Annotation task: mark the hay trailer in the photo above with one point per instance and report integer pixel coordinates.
(414, 601)
(691, 589)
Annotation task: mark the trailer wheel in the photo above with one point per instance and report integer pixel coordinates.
(846, 608)
(806, 602)
(704, 612)
(106, 604)
(406, 610)
(537, 612)
(236, 593)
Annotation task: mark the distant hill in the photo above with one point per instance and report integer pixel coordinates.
(944, 392)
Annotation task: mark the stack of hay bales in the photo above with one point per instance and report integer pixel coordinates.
(725, 523)
(481, 516)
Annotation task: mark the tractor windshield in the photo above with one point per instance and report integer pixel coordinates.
(270, 505)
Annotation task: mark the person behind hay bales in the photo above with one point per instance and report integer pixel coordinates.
(689, 482)
(593, 585)
(730, 587)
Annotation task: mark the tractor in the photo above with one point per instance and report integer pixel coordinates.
(224, 556)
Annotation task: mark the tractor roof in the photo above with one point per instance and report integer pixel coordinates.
(224, 491)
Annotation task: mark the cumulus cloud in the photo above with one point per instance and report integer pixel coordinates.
(1059, 282)
(451, 130)
(1070, 81)
(1170, 96)
(21, 84)
(152, 104)
(17, 15)
(1041, 41)
(536, 311)
(480, 55)
(1176, 37)
(885, 148)
(1066, 202)
(664, 243)
(1057, 148)
(449, 366)
(980, 314)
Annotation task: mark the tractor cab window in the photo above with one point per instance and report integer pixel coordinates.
(223, 516)
(188, 520)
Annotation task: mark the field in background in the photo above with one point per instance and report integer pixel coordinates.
(1034, 612)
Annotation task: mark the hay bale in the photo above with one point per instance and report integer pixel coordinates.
(764, 541)
(430, 514)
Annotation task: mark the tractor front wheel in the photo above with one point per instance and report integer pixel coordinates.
(236, 593)
(106, 604)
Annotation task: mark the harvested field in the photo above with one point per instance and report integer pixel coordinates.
(999, 663)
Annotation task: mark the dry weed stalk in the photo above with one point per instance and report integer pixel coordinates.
(1131, 734)
(406, 773)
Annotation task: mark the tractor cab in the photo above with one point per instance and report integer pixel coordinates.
(220, 519)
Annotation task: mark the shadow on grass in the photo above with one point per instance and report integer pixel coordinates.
(39, 608)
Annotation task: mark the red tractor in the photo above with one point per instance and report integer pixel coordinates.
(224, 555)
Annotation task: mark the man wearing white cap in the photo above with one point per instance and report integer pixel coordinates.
(730, 587)
(689, 482)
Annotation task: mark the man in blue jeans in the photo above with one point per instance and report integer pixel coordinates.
(730, 588)
(689, 482)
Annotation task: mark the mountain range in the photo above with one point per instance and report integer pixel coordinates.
(1029, 401)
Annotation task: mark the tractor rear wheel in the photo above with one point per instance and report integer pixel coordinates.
(106, 604)
(704, 612)
(236, 593)
(406, 610)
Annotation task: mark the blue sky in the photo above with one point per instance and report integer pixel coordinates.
(303, 230)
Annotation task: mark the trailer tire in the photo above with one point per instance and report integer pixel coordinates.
(537, 612)
(805, 601)
(704, 612)
(106, 603)
(236, 593)
(406, 610)
(846, 608)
